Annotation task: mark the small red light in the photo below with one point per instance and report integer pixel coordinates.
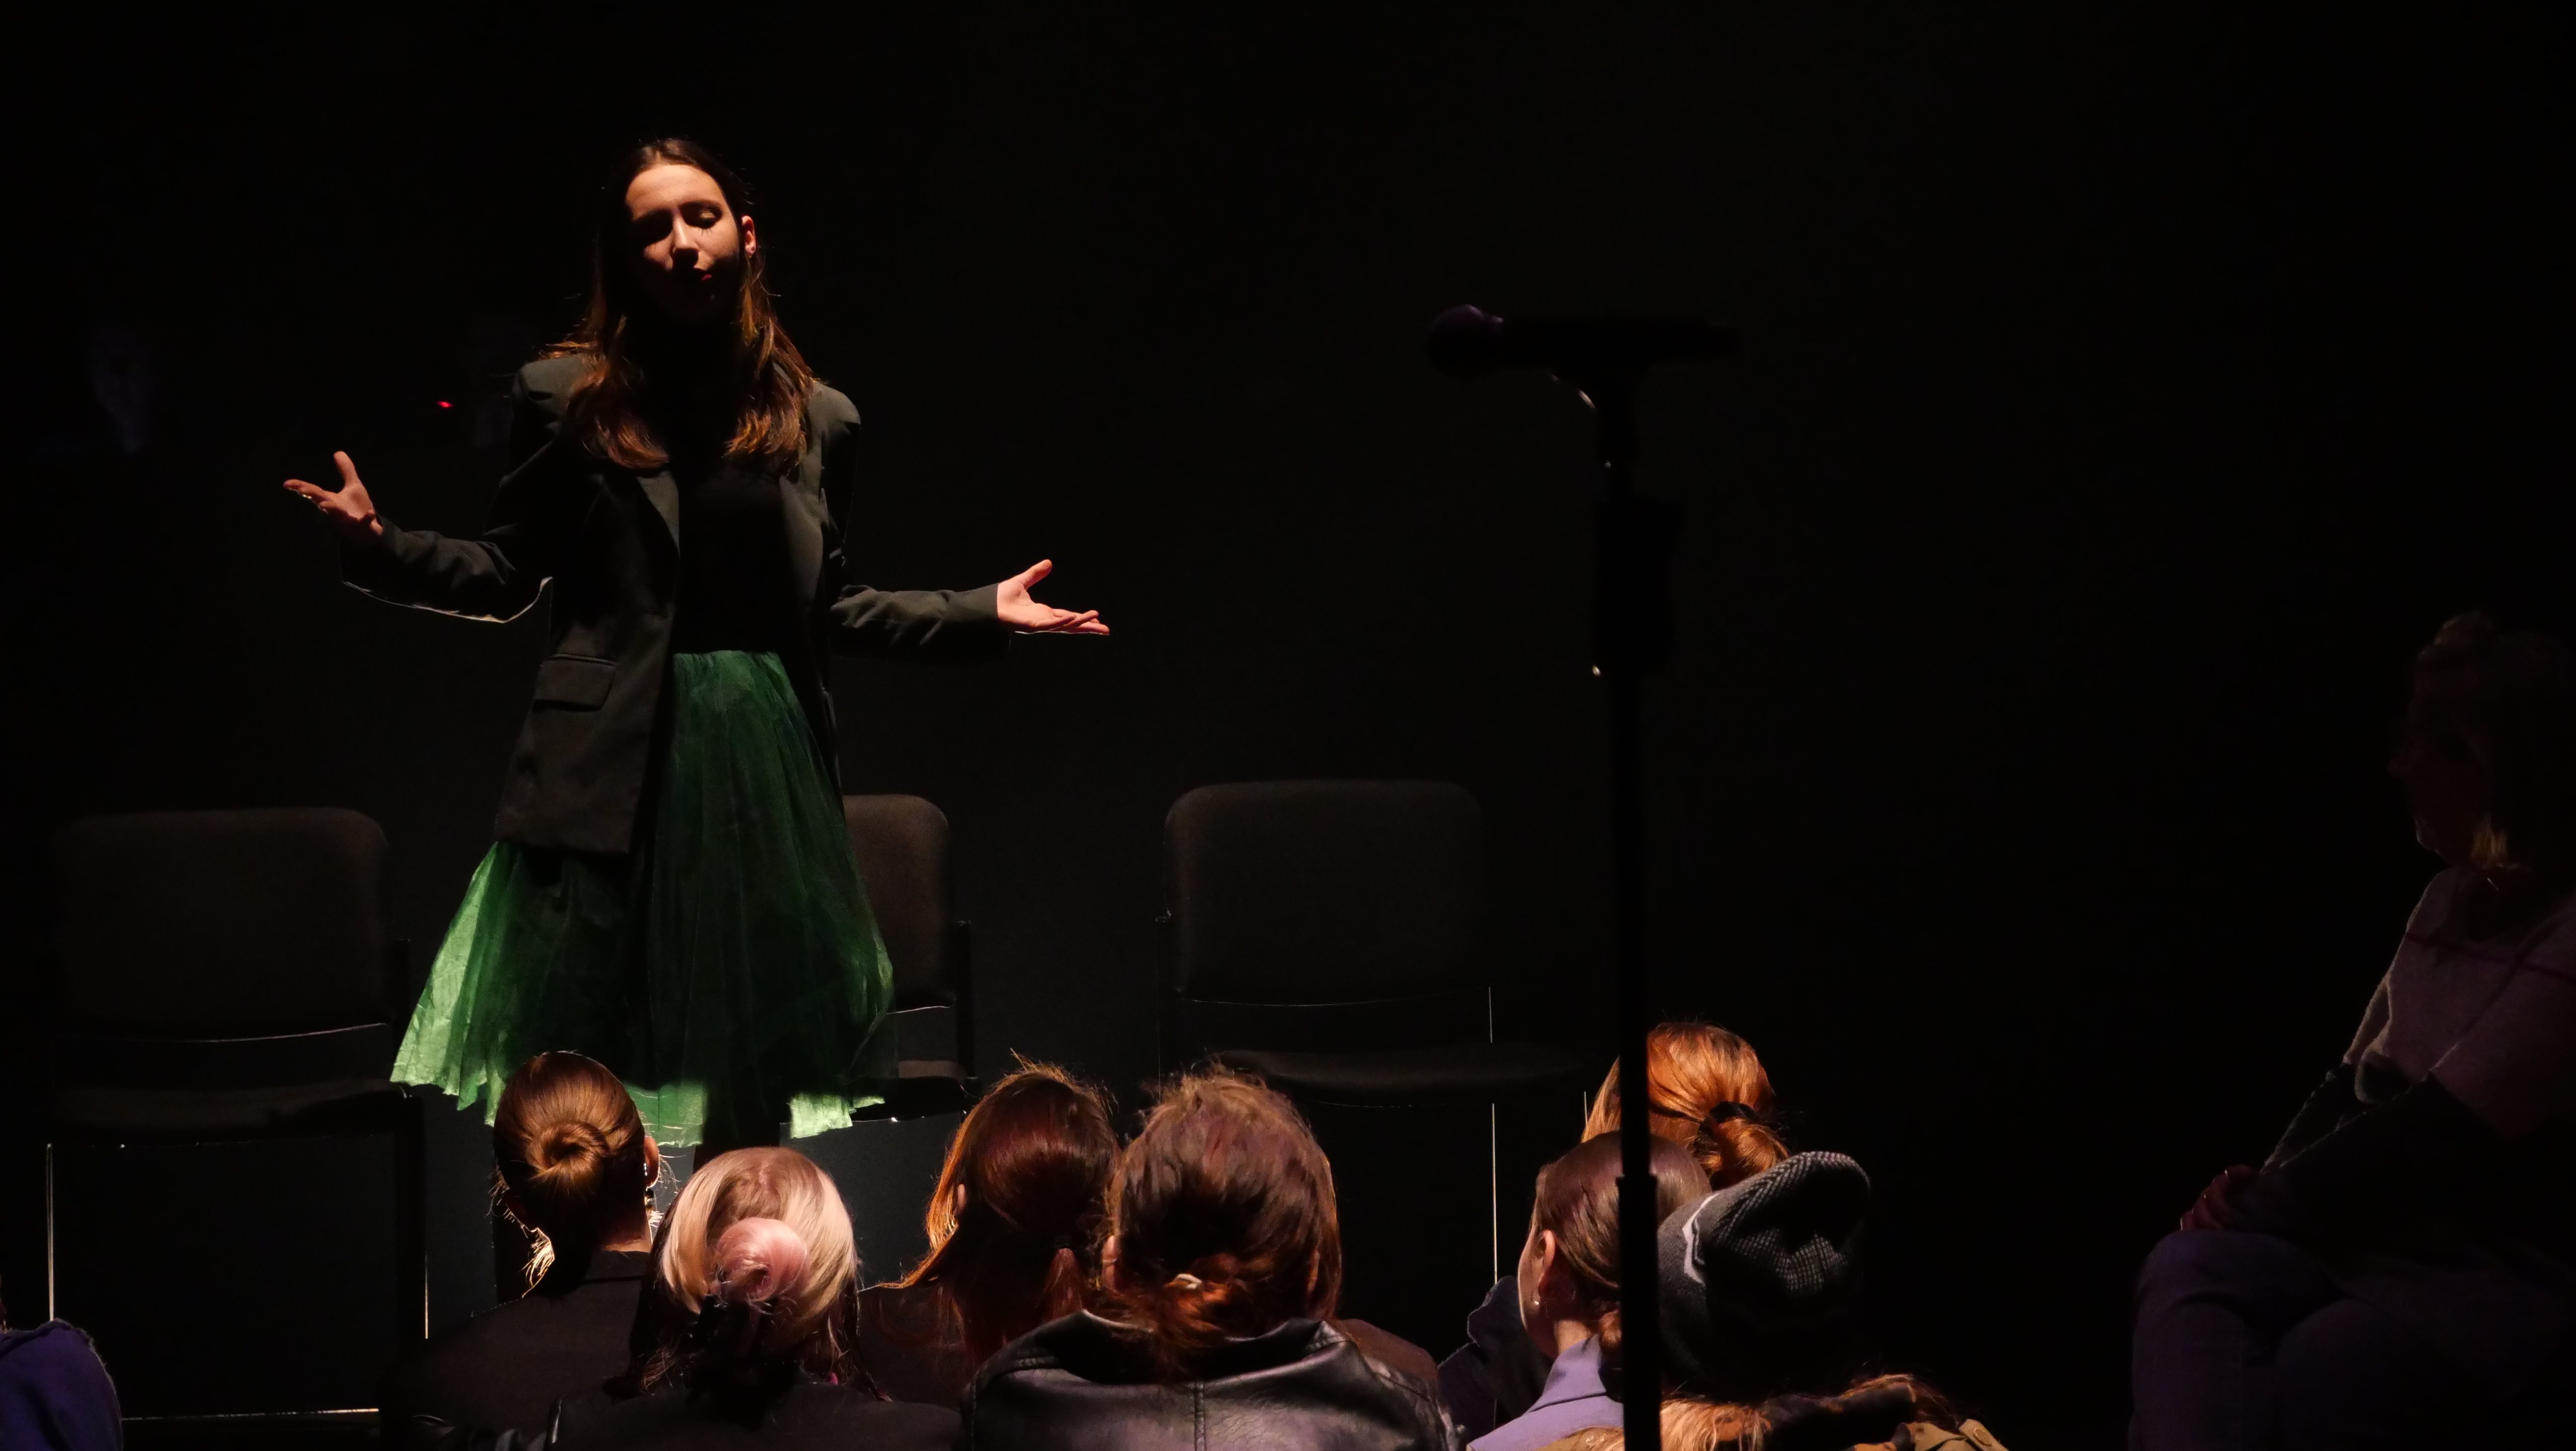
(443, 403)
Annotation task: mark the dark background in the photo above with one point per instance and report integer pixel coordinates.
(2127, 390)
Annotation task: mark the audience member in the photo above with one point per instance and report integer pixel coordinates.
(1569, 1279)
(1015, 1224)
(1220, 1275)
(54, 1392)
(1760, 1343)
(2403, 1267)
(747, 1328)
(1707, 1092)
(576, 1170)
(1823, 1423)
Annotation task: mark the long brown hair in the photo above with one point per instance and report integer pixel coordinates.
(570, 1151)
(765, 378)
(1225, 1220)
(1578, 1202)
(1033, 1159)
(1709, 1094)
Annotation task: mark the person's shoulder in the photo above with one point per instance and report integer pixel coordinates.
(547, 381)
(56, 1342)
(1970, 1436)
(829, 411)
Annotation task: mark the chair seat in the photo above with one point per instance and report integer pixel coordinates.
(923, 1087)
(1464, 1072)
(303, 1110)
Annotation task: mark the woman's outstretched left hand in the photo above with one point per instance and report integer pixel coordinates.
(1011, 601)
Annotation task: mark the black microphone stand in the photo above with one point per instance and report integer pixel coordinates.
(1632, 634)
(1632, 637)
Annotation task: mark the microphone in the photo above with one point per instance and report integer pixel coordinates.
(1469, 342)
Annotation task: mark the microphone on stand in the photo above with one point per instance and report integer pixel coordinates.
(1469, 342)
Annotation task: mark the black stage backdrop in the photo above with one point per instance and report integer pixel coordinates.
(2127, 390)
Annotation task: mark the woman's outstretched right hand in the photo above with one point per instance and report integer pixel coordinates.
(351, 513)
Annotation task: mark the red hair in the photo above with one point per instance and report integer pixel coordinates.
(1709, 1094)
(1225, 1220)
(1034, 1159)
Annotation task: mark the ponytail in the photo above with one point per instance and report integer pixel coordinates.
(1578, 1202)
(1225, 1221)
(1706, 1091)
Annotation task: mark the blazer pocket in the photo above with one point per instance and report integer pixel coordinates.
(577, 681)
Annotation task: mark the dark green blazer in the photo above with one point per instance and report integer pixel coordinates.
(608, 540)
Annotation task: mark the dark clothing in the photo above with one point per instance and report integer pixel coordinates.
(54, 1393)
(505, 1368)
(612, 544)
(807, 1415)
(2247, 1341)
(734, 591)
(911, 1347)
(1083, 1383)
(1497, 1375)
(1389, 1349)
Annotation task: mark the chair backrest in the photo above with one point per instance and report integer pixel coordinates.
(1294, 892)
(902, 846)
(224, 924)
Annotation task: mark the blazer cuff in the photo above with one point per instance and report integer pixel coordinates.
(370, 566)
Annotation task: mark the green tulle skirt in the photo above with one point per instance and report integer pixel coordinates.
(728, 969)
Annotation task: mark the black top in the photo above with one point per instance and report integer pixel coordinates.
(505, 1368)
(735, 593)
(808, 1413)
(1083, 1383)
(1498, 1373)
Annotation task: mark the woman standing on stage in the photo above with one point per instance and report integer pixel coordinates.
(671, 890)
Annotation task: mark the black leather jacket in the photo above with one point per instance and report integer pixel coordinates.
(1083, 1383)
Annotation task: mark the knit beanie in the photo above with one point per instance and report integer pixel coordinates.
(1758, 1280)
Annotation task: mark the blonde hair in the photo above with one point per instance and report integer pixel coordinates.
(763, 1229)
(1709, 1094)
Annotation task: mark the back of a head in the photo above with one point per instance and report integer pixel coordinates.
(2508, 699)
(758, 1260)
(1709, 1094)
(1578, 1202)
(571, 1152)
(1225, 1219)
(1033, 1161)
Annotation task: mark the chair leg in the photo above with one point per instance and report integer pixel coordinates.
(52, 1311)
(411, 1225)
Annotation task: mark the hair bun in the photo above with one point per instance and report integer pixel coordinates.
(758, 1260)
(566, 1141)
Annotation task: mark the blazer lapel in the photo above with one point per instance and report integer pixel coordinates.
(664, 493)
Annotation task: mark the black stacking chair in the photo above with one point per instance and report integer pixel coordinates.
(1327, 935)
(228, 977)
(902, 846)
